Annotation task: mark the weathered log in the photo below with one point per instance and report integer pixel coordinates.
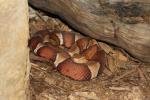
(14, 53)
(95, 20)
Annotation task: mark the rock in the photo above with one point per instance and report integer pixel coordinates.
(14, 53)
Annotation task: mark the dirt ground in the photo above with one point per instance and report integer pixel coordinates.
(126, 79)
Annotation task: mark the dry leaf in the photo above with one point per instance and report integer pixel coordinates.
(112, 64)
(106, 48)
(121, 56)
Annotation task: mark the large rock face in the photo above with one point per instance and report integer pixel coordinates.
(14, 59)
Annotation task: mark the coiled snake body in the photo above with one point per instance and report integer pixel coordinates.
(75, 56)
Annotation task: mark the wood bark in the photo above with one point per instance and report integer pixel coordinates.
(91, 18)
(14, 59)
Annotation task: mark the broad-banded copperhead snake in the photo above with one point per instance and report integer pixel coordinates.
(75, 56)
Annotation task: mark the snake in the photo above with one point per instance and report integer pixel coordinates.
(73, 55)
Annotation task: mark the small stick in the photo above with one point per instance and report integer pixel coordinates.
(40, 16)
(37, 67)
(33, 64)
(120, 88)
(141, 74)
(127, 73)
(123, 75)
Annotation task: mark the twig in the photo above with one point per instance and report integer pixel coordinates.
(143, 75)
(37, 67)
(40, 16)
(120, 88)
(33, 64)
(123, 75)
